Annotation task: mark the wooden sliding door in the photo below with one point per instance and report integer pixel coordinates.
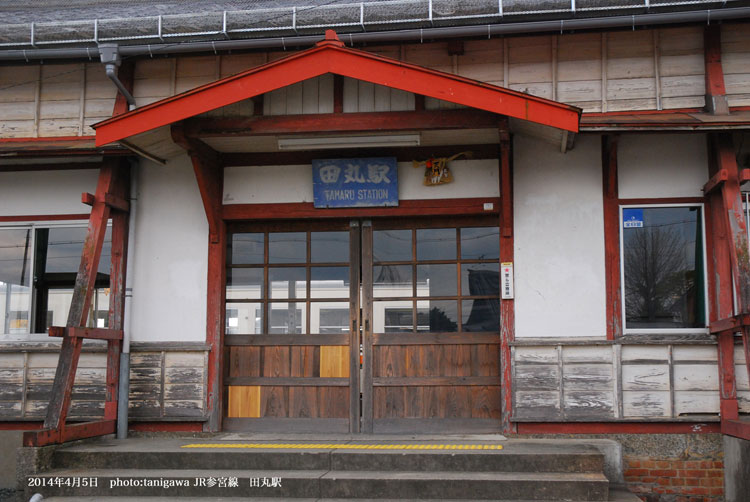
(432, 326)
(291, 322)
(371, 326)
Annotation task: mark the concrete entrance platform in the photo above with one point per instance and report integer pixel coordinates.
(329, 467)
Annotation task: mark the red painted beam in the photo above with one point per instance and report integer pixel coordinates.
(340, 123)
(91, 333)
(20, 426)
(70, 432)
(716, 181)
(736, 428)
(733, 324)
(618, 428)
(301, 210)
(332, 57)
(113, 201)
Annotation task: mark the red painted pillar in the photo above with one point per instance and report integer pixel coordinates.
(507, 307)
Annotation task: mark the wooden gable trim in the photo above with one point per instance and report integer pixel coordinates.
(330, 56)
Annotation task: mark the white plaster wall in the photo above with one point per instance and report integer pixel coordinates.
(662, 165)
(45, 192)
(171, 255)
(271, 184)
(559, 239)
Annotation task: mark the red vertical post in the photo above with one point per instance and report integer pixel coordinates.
(611, 236)
(507, 307)
(120, 223)
(731, 266)
(716, 99)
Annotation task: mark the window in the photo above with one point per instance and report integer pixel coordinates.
(38, 267)
(663, 268)
(436, 280)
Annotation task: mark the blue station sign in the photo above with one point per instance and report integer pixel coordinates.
(355, 182)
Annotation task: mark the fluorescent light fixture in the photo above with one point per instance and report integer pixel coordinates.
(333, 142)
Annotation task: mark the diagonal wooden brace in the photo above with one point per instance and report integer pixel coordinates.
(111, 179)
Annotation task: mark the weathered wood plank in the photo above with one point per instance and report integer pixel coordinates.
(646, 404)
(536, 377)
(645, 377)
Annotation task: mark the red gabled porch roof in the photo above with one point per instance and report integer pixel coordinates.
(331, 56)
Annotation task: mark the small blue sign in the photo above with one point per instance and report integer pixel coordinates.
(355, 182)
(632, 218)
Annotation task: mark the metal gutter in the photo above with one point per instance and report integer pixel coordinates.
(420, 34)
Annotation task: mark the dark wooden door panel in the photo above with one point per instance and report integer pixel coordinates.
(294, 296)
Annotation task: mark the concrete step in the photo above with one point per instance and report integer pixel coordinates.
(514, 457)
(327, 484)
(614, 496)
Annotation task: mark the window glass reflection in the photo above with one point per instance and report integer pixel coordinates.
(481, 315)
(436, 244)
(287, 282)
(329, 282)
(663, 268)
(287, 247)
(393, 316)
(329, 317)
(480, 279)
(247, 249)
(287, 319)
(244, 283)
(436, 280)
(440, 315)
(481, 243)
(244, 318)
(392, 281)
(15, 278)
(329, 247)
(391, 245)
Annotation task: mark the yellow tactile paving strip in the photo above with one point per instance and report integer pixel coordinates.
(311, 446)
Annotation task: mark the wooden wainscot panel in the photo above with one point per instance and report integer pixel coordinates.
(694, 353)
(642, 353)
(646, 404)
(146, 408)
(743, 400)
(334, 361)
(696, 377)
(541, 405)
(587, 377)
(183, 409)
(244, 401)
(589, 404)
(11, 409)
(543, 355)
(642, 377)
(536, 377)
(591, 354)
(692, 403)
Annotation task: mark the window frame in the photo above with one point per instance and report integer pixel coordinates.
(706, 302)
(34, 225)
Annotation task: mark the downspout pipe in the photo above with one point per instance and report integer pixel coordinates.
(417, 34)
(124, 379)
(110, 57)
